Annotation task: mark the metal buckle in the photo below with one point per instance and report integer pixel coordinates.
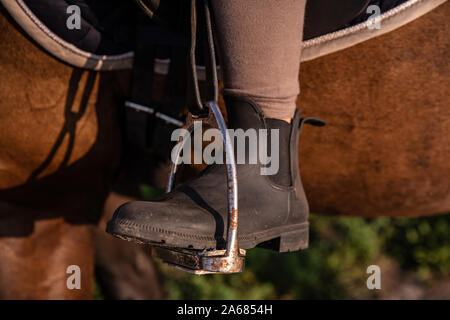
(232, 259)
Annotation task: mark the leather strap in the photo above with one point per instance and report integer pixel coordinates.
(310, 120)
(148, 123)
(197, 107)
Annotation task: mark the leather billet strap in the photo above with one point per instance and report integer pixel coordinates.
(197, 106)
(150, 120)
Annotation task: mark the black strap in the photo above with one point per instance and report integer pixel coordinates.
(197, 106)
(136, 123)
(147, 130)
(174, 104)
(210, 58)
(310, 120)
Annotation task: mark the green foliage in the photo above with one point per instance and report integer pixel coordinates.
(333, 267)
(421, 244)
(148, 192)
(98, 295)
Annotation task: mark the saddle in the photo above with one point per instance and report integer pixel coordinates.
(108, 27)
(115, 28)
(110, 30)
(321, 16)
(152, 38)
(112, 33)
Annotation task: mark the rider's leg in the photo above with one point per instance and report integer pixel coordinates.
(260, 42)
(260, 46)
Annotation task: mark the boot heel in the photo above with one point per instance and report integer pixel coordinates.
(294, 240)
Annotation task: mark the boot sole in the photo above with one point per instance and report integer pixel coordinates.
(281, 239)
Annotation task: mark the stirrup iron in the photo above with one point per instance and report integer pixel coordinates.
(232, 259)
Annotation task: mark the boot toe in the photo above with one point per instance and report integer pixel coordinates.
(163, 223)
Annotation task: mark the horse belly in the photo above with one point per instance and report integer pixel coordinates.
(386, 148)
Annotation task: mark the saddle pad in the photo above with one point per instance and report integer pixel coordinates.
(106, 26)
(106, 38)
(362, 27)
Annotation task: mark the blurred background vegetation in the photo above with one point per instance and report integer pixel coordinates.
(413, 254)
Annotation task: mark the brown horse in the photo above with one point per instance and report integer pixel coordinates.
(385, 150)
(60, 152)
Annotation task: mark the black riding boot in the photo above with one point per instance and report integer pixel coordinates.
(273, 209)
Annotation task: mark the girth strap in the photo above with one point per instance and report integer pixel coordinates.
(156, 105)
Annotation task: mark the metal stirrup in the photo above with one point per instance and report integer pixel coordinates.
(232, 259)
